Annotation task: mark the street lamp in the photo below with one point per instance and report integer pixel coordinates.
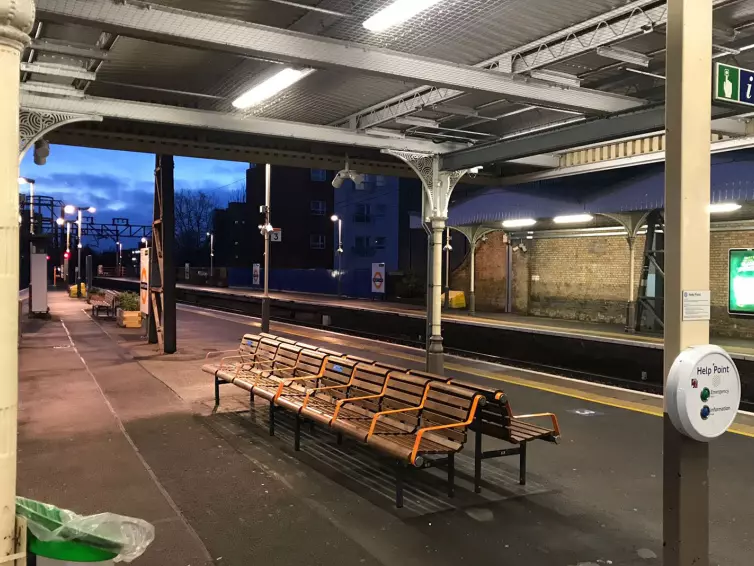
(71, 209)
(339, 221)
(211, 236)
(119, 259)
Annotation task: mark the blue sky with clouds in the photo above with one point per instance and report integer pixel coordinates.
(121, 184)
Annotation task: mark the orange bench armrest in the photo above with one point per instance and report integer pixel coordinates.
(465, 423)
(394, 411)
(553, 418)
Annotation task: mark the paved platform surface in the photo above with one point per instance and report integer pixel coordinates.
(107, 424)
(739, 348)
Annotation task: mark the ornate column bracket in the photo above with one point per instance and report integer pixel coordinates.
(35, 124)
(438, 185)
(631, 221)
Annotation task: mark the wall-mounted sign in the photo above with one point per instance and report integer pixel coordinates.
(378, 278)
(276, 235)
(255, 274)
(703, 392)
(144, 281)
(741, 282)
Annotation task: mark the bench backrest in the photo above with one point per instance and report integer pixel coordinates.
(404, 391)
(111, 296)
(267, 349)
(286, 356)
(368, 380)
(337, 373)
(285, 340)
(310, 362)
(448, 404)
(360, 360)
(329, 352)
(492, 417)
(249, 344)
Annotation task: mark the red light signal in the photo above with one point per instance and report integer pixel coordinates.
(48, 258)
(66, 255)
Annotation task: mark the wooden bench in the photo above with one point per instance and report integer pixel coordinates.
(108, 303)
(496, 419)
(417, 419)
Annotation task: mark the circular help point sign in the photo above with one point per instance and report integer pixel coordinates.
(703, 392)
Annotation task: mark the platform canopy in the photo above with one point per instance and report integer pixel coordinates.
(508, 84)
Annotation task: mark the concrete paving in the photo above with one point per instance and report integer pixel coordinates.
(107, 424)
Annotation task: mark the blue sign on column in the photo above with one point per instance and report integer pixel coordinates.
(746, 87)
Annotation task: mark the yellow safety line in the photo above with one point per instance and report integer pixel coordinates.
(743, 430)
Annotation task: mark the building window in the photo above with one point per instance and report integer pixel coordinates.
(362, 213)
(317, 242)
(318, 207)
(318, 175)
(379, 242)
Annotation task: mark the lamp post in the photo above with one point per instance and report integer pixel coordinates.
(339, 221)
(265, 229)
(211, 236)
(79, 210)
(448, 248)
(119, 259)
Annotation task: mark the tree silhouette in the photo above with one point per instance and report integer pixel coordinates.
(193, 219)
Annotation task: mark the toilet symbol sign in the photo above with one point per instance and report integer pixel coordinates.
(734, 84)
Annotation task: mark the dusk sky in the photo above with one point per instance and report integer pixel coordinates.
(121, 184)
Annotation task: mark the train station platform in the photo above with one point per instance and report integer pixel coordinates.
(108, 424)
(595, 352)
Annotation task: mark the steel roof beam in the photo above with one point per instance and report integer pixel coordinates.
(593, 131)
(610, 27)
(79, 50)
(221, 121)
(52, 70)
(166, 25)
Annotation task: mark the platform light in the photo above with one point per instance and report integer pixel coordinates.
(724, 207)
(625, 55)
(269, 88)
(334, 218)
(418, 122)
(519, 223)
(69, 209)
(91, 210)
(397, 13)
(573, 219)
(60, 221)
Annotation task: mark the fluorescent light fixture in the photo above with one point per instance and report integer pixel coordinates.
(573, 219)
(519, 223)
(269, 88)
(625, 55)
(556, 77)
(456, 110)
(421, 122)
(385, 133)
(724, 207)
(397, 13)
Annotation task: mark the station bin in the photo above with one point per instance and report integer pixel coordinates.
(58, 537)
(73, 290)
(457, 300)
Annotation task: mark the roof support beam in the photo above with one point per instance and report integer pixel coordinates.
(167, 25)
(161, 114)
(613, 26)
(79, 50)
(594, 131)
(58, 71)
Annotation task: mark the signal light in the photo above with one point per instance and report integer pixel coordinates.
(66, 255)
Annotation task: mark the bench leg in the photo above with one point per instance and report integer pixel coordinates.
(217, 391)
(251, 401)
(399, 473)
(477, 462)
(522, 465)
(297, 434)
(451, 474)
(272, 418)
(339, 438)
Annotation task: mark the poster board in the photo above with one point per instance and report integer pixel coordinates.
(741, 281)
(144, 281)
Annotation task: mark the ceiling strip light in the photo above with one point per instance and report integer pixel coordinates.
(625, 55)
(414, 121)
(269, 88)
(573, 219)
(519, 223)
(397, 13)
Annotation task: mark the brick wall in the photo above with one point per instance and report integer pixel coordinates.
(580, 278)
(722, 323)
(491, 272)
(586, 279)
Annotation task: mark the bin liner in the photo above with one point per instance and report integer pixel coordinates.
(126, 536)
